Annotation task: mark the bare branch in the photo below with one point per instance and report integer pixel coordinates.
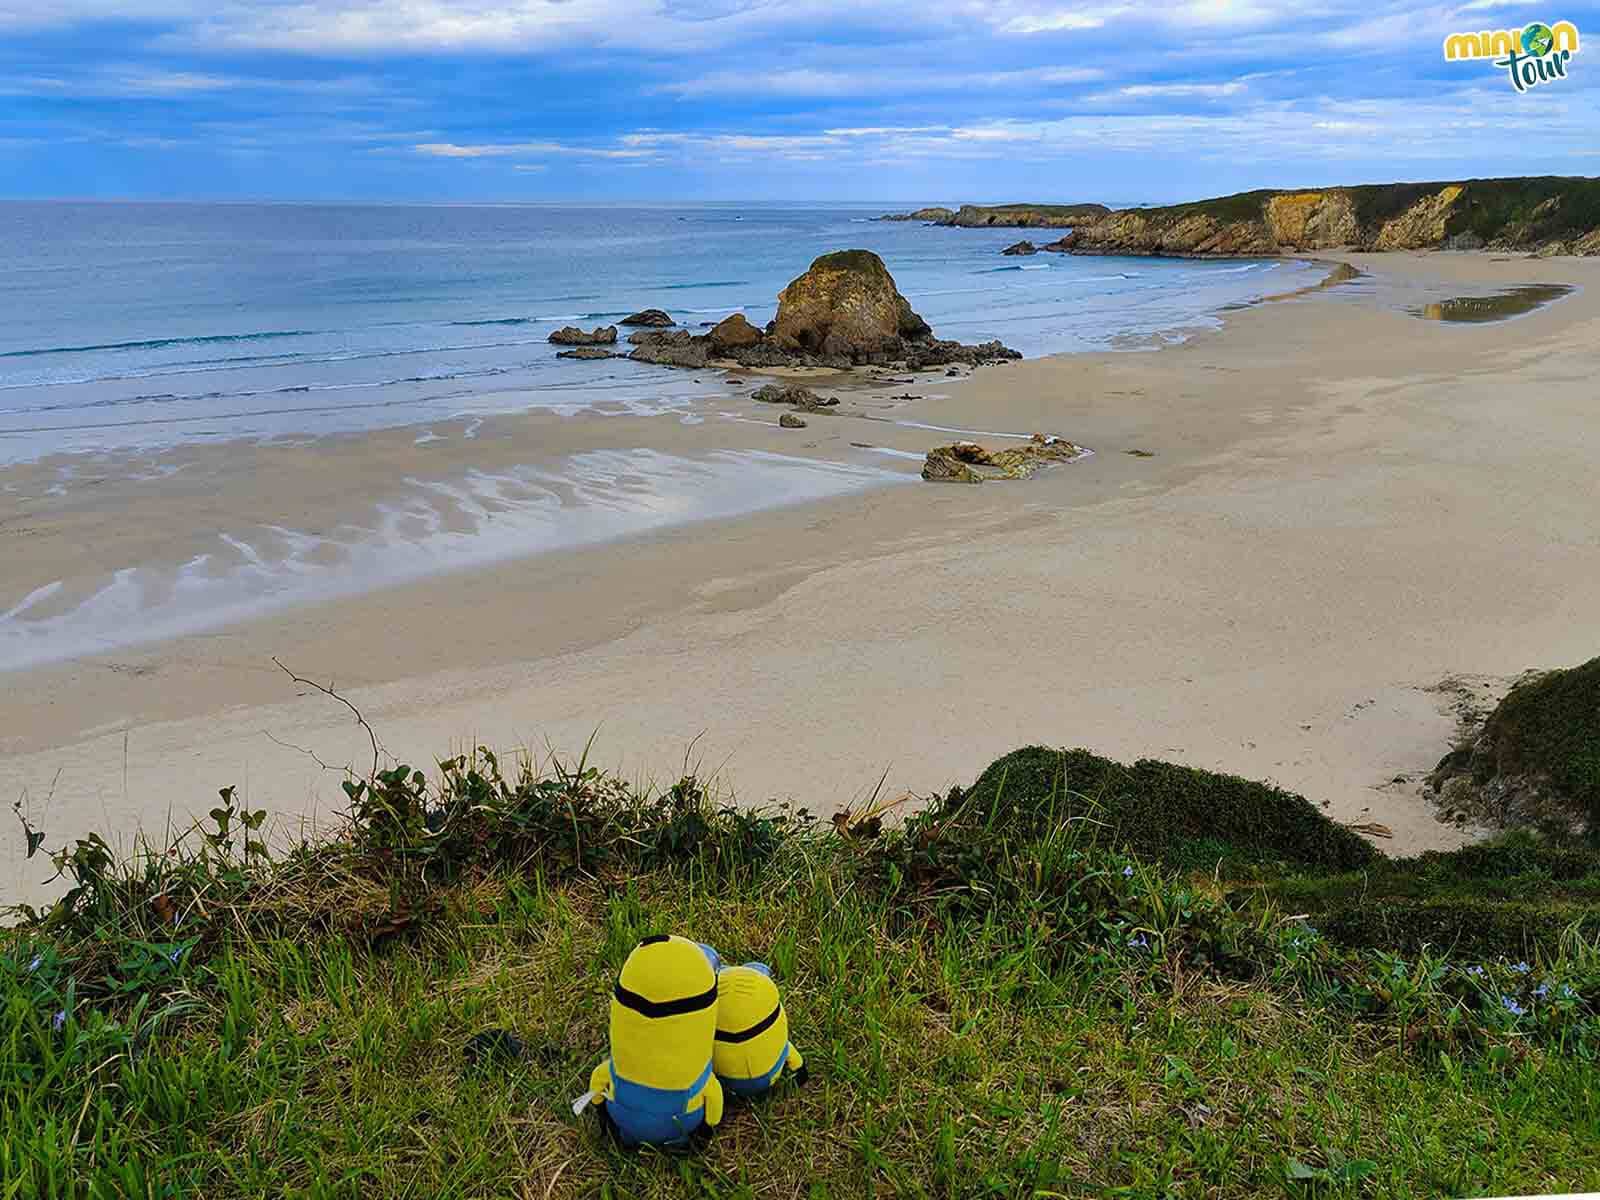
(311, 754)
(327, 690)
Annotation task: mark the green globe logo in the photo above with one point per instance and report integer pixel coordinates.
(1537, 39)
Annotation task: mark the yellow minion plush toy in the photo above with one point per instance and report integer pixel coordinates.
(658, 1087)
(752, 1047)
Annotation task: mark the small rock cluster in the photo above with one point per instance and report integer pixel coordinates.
(571, 335)
(968, 462)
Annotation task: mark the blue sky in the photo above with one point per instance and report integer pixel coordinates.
(925, 101)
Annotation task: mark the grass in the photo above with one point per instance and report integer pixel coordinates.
(992, 1002)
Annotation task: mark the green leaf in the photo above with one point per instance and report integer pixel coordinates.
(1298, 1170)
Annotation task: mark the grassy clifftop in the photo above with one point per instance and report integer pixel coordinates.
(998, 998)
(1545, 214)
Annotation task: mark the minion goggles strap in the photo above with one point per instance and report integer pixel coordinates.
(756, 1030)
(665, 1008)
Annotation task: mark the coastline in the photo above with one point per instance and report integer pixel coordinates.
(1168, 607)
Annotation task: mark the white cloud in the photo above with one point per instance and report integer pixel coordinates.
(1057, 22)
(131, 82)
(1171, 91)
(871, 80)
(522, 150)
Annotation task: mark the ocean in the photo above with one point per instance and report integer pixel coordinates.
(143, 326)
(304, 343)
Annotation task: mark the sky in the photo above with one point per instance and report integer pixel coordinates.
(915, 101)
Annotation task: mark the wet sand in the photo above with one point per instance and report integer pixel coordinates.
(1344, 506)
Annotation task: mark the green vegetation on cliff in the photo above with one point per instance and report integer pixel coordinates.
(1166, 813)
(1006, 216)
(996, 999)
(1536, 761)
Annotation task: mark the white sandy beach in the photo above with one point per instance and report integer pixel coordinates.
(1345, 507)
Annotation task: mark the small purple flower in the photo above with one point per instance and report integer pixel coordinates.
(1512, 1007)
(59, 1020)
(1127, 872)
(1522, 968)
(173, 957)
(1566, 993)
(1139, 942)
(1475, 972)
(34, 965)
(1542, 990)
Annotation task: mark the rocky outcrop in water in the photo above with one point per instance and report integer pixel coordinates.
(571, 335)
(844, 311)
(587, 352)
(846, 307)
(1021, 248)
(1548, 214)
(936, 215)
(968, 462)
(649, 316)
(1006, 216)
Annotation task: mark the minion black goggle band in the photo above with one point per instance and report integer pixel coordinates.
(756, 1030)
(665, 1008)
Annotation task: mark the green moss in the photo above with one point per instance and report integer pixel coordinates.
(1174, 814)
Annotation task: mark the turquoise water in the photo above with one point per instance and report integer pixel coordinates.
(149, 325)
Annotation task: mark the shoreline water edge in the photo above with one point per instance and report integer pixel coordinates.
(473, 494)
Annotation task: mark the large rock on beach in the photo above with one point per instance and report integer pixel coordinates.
(587, 352)
(571, 335)
(734, 333)
(845, 311)
(846, 306)
(649, 316)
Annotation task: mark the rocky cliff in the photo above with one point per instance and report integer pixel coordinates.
(1548, 215)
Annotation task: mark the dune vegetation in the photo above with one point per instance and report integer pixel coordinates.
(1073, 978)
